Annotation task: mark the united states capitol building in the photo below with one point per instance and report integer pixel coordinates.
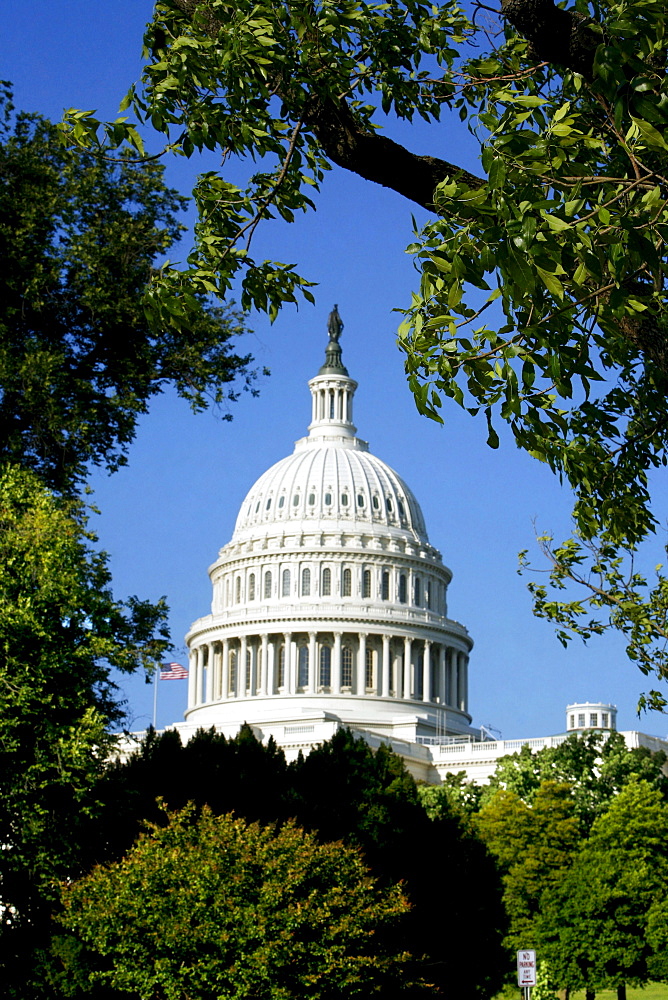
(330, 609)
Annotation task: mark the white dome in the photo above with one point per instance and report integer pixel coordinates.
(329, 604)
(323, 482)
(331, 478)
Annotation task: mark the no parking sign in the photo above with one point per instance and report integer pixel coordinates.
(526, 968)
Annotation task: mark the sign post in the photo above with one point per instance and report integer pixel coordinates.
(526, 971)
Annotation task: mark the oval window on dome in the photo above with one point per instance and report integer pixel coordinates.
(376, 503)
(257, 506)
(360, 500)
(281, 501)
(268, 504)
(295, 500)
(311, 499)
(388, 504)
(344, 499)
(328, 499)
(402, 510)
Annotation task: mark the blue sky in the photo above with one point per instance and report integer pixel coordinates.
(165, 516)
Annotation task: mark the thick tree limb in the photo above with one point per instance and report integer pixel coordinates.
(554, 35)
(378, 158)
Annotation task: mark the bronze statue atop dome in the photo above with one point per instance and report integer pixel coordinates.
(334, 325)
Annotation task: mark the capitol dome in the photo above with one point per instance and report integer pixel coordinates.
(329, 602)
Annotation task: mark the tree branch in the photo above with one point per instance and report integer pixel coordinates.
(377, 158)
(554, 35)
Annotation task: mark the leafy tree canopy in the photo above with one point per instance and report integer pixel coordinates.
(341, 791)
(534, 846)
(60, 633)
(595, 767)
(209, 905)
(604, 923)
(564, 223)
(84, 340)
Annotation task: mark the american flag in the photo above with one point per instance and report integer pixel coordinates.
(172, 672)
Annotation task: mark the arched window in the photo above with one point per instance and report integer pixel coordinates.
(280, 680)
(311, 499)
(376, 503)
(267, 584)
(417, 592)
(281, 501)
(306, 582)
(360, 499)
(302, 680)
(326, 582)
(295, 500)
(233, 671)
(427, 593)
(237, 590)
(346, 667)
(347, 583)
(402, 588)
(366, 583)
(344, 499)
(325, 666)
(251, 587)
(331, 404)
(385, 586)
(285, 586)
(368, 669)
(328, 499)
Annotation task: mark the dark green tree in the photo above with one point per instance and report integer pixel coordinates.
(603, 924)
(534, 846)
(85, 343)
(61, 632)
(341, 791)
(212, 906)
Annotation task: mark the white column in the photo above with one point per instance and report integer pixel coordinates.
(192, 677)
(452, 671)
(225, 670)
(271, 668)
(359, 680)
(385, 679)
(287, 663)
(264, 664)
(426, 671)
(253, 680)
(441, 674)
(462, 685)
(294, 667)
(208, 695)
(242, 672)
(312, 665)
(407, 668)
(200, 675)
(336, 665)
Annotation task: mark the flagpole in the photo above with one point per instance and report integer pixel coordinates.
(155, 694)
